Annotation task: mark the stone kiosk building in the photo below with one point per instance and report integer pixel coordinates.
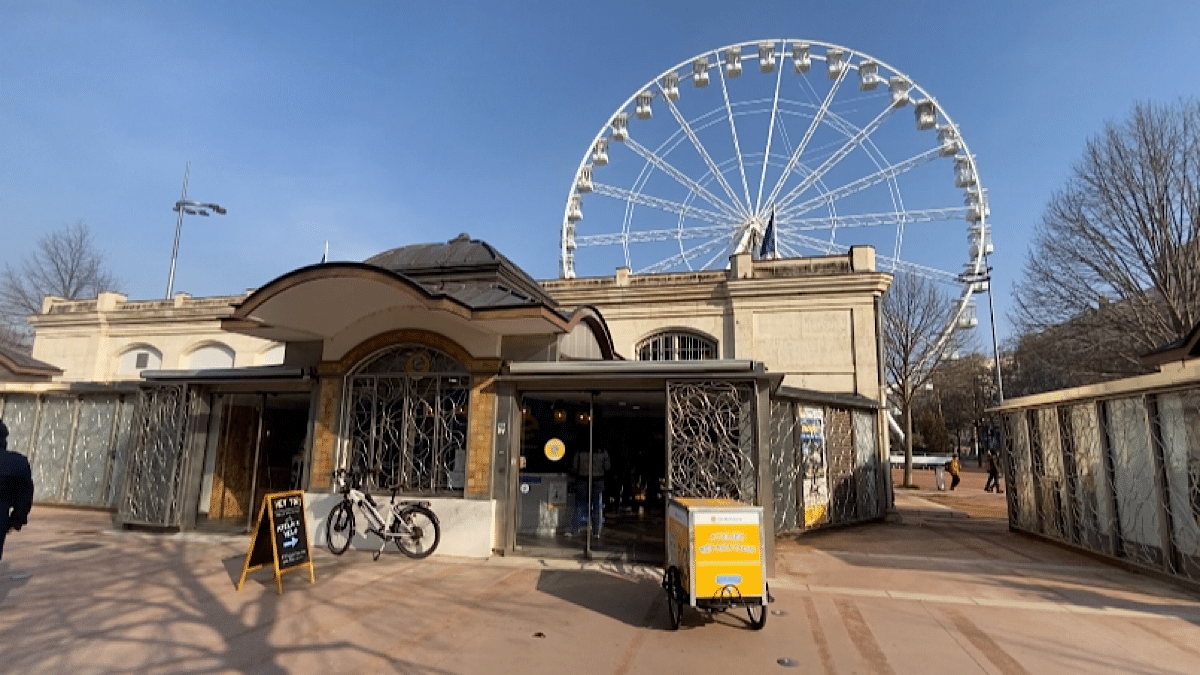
(452, 374)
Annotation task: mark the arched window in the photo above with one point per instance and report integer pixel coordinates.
(407, 416)
(139, 358)
(677, 345)
(272, 356)
(213, 355)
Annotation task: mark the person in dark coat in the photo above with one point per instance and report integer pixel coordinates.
(16, 489)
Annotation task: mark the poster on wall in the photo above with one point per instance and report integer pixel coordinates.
(815, 498)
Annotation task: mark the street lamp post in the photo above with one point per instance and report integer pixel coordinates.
(985, 277)
(188, 206)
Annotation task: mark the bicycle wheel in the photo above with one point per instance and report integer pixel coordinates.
(423, 531)
(674, 591)
(758, 615)
(339, 528)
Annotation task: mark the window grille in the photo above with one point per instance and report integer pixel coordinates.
(677, 346)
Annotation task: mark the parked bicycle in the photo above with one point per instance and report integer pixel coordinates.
(412, 526)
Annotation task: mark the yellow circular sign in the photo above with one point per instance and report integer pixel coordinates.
(555, 449)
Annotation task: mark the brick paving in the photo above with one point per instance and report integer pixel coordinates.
(930, 591)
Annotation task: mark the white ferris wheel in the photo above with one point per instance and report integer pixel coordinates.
(780, 148)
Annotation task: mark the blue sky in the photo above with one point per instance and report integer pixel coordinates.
(372, 125)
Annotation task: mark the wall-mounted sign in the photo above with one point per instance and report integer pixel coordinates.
(555, 449)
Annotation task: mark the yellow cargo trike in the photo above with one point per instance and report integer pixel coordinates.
(715, 558)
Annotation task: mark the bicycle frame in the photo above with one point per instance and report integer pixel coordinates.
(386, 528)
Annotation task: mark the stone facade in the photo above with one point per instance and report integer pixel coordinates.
(811, 319)
(99, 340)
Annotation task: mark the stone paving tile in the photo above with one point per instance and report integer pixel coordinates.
(944, 596)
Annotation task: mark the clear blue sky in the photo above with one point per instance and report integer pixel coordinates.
(372, 125)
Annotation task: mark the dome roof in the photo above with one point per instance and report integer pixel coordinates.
(461, 251)
(468, 269)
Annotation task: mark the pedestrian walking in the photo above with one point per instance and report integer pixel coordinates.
(16, 489)
(590, 511)
(954, 467)
(993, 471)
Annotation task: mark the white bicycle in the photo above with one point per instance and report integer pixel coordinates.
(413, 526)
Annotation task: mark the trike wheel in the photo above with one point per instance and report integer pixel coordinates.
(758, 615)
(424, 531)
(674, 589)
(339, 528)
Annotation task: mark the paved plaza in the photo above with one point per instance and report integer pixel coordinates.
(932, 591)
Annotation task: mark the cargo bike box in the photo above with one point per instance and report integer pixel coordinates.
(715, 558)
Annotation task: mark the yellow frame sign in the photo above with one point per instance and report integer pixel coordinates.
(293, 503)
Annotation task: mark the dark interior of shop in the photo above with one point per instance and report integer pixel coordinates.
(630, 427)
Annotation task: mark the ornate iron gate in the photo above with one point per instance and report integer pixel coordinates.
(157, 460)
(407, 420)
(710, 446)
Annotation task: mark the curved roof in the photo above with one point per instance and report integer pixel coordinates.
(464, 279)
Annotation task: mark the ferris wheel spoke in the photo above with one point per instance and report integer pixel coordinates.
(762, 179)
(667, 168)
(684, 256)
(786, 210)
(712, 165)
(838, 156)
(661, 204)
(931, 273)
(737, 150)
(871, 219)
(677, 234)
(808, 134)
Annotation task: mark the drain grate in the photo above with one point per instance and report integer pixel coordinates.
(73, 548)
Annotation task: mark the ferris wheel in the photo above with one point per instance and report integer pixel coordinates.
(780, 148)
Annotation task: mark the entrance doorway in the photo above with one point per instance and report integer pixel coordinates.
(256, 445)
(558, 431)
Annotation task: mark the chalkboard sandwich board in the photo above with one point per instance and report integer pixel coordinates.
(280, 539)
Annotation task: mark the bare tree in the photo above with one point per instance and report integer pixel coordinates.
(915, 316)
(966, 387)
(1114, 268)
(65, 264)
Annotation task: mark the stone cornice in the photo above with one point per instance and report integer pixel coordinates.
(873, 283)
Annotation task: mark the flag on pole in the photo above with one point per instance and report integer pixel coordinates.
(768, 249)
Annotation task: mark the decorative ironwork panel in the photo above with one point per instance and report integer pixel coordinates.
(784, 468)
(1138, 501)
(840, 448)
(413, 360)
(1019, 478)
(711, 440)
(20, 416)
(408, 420)
(1090, 502)
(1179, 419)
(120, 452)
(156, 462)
(88, 474)
(52, 449)
(1046, 455)
(868, 469)
(1129, 473)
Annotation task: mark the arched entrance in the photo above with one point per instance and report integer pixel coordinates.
(406, 418)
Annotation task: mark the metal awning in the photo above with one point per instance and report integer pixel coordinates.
(248, 374)
(722, 367)
(566, 375)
